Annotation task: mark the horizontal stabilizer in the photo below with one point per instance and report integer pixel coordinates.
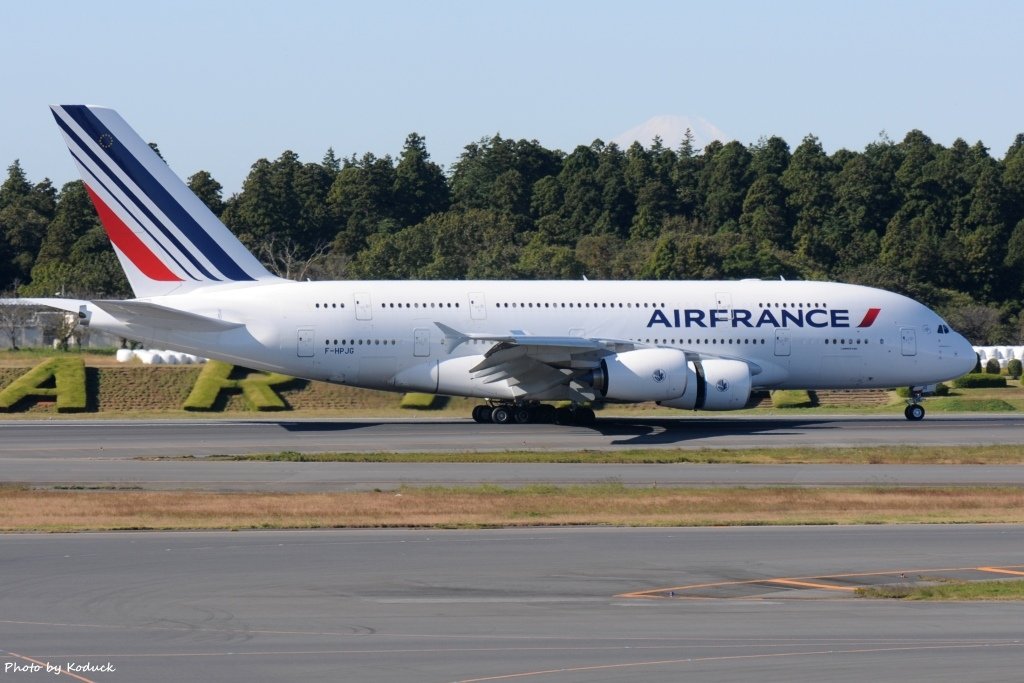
(131, 312)
(69, 305)
(141, 313)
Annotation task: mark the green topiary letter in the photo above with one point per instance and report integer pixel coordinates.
(256, 388)
(68, 386)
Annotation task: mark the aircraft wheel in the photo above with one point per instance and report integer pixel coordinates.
(914, 412)
(501, 415)
(585, 416)
(546, 414)
(521, 415)
(564, 416)
(482, 414)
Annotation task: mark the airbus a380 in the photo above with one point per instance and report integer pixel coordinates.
(515, 344)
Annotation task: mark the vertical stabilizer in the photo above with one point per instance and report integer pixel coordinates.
(167, 240)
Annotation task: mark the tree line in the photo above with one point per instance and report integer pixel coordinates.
(944, 225)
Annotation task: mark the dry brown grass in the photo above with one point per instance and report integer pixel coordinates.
(902, 455)
(30, 510)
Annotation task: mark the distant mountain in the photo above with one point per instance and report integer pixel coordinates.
(671, 128)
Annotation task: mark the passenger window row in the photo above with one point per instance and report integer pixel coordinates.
(692, 342)
(791, 305)
(577, 305)
(360, 342)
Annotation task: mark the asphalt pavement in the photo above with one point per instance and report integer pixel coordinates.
(547, 605)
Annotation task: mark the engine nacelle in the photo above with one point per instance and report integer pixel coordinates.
(714, 384)
(641, 375)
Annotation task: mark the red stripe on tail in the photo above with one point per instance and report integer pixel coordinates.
(129, 243)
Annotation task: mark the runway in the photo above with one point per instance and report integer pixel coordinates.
(134, 438)
(530, 605)
(106, 454)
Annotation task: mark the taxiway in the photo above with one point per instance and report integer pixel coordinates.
(546, 605)
(103, 453)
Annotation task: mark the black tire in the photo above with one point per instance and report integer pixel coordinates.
(585, 416)
(564, 416)
(481, 414)
(914, 412)
(501, 415)
(521, 416)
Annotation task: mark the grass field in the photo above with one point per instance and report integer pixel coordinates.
(1012, 589)
(875, 455)
(24, 510)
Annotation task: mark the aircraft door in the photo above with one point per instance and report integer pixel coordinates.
(908, 341)
(304, 342)
(783, 347)
(363, 309)
(421, 342)
(477, 306)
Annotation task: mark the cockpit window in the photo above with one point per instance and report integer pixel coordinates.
(943, 329)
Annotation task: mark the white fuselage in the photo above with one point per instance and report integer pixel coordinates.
(687, 345)
(382, 334)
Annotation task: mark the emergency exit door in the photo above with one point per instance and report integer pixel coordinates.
(304, 342)
(783, 346)
(908, 341)
(421, 342)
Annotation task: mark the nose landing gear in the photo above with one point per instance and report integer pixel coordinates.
(915, 411)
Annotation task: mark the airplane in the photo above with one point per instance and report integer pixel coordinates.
(518, 345)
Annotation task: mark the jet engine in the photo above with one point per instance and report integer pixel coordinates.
(714, 384)
(641, 375)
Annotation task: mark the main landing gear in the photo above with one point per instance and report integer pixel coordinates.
(915, 411)
(525, 413)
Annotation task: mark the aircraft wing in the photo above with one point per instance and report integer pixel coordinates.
(546, 367)
(536, 365)
(454, 338)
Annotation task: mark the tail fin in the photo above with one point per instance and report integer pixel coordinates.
(167, 240)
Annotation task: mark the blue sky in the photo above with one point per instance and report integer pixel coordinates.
(219, 84)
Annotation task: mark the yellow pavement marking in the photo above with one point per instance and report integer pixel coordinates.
(809, 584)
(673, 591)
(999, 570)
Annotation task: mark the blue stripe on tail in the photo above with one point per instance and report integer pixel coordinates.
(111, 177)
(156, 193)
(100, 183)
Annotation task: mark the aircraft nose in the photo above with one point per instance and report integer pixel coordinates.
(963, 357)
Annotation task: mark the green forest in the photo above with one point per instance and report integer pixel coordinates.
(944, 225)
